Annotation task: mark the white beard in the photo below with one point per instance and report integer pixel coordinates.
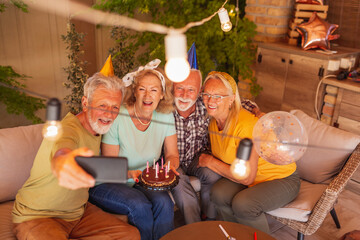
(182, 108)
(96, 126)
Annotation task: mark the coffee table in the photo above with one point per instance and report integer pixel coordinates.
(210, 230)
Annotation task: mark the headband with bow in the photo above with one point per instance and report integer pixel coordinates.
(128, 79)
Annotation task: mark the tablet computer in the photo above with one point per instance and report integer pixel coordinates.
(105, 169)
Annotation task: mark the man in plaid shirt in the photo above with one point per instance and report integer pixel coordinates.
(191, 124)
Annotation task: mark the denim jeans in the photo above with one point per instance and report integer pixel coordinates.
(151, 212)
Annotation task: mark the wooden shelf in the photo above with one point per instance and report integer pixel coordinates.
(285, 47)
(347, 84)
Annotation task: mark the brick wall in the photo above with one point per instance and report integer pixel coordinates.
(271, 17)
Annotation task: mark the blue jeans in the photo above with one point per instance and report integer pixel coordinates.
(151, 212)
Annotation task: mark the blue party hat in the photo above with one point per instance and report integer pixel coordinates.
(192, 59)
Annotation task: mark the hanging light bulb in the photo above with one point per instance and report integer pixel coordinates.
(177, 67)
(52, 129)
(224, 20)
(240, 167)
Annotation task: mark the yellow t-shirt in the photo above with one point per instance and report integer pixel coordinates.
(41, 196)
(224, 148)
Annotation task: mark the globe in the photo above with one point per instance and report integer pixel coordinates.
(280, 138)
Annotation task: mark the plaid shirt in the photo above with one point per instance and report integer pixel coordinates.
(192, 133)
(248, 105)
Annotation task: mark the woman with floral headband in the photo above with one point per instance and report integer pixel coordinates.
(268, 186)
(139, 133)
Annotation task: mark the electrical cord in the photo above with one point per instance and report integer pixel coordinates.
(317, 93)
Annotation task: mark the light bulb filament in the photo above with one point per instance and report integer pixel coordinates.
(52, 130)
(240, 169)
(177, 67)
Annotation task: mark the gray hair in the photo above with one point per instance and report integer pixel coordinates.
(200, 75)
(97, 80)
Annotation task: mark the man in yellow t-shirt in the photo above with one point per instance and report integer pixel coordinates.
(52, 204)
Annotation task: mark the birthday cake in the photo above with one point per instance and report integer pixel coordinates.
(162, 181)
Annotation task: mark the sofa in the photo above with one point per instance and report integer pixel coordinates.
(18, 147)
(331, 158)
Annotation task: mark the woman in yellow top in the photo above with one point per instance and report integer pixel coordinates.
(268, 186)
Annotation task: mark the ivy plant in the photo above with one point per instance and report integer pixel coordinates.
(123, 52)
(17, 3)
(15, 99)
(232, 52)
(76, 69)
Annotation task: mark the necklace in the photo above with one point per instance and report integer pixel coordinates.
(144, 124)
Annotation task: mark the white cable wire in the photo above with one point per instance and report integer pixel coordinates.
(317, 93)
(72, 9)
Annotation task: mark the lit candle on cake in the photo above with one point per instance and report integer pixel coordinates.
(156, 170)
(168, 166)
(162, 163)
(166, 172)
(147, 167)
(154, 164)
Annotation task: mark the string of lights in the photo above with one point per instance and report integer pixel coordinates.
(177, 67)
(79, 11)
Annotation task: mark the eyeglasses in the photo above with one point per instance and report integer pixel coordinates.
(217, 98)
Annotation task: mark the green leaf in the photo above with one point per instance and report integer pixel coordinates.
(13, 96)
(21, 5)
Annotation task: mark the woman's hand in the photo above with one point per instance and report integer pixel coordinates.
(134, 174)
(205, 160)
(172, 168)
(171, 152)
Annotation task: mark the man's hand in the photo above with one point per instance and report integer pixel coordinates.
(68, 172)
(204, 160)
(258, 113)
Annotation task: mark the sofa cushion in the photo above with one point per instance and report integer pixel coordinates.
(300, 208)
(328, 149)
(18, 147)
(5, 221)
